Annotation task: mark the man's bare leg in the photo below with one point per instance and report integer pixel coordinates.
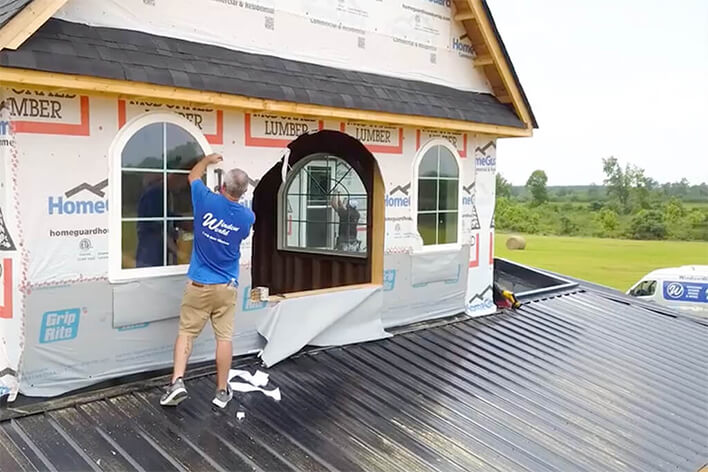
(224, 354)
(183, 348)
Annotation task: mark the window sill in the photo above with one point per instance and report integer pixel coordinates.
(136, 275)
(443, 248)
(330, 254)
(307, 293)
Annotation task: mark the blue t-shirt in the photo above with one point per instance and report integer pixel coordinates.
(219, 227)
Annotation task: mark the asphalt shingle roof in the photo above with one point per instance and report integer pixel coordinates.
(72, 48)
(9, 8)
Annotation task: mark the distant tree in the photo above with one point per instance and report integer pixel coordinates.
(674, 211)
(595, 206)
(608, 220)
(648, 224)
(681, 187)
(617, 181)
(627, 183)
(514, 216)
(641, 187)
(696, 217)
(593, 192)
(567, 226)
(536, 185)
(503, 187)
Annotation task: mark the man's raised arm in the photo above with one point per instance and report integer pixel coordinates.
(200, 167)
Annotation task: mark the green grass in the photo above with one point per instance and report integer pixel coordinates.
(616, 263)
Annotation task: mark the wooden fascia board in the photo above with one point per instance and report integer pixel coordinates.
(13, 77)
(464, 16)
(500, 62)
(27, 21)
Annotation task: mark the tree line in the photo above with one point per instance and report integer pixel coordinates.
(628, 204)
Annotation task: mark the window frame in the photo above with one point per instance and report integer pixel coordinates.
(414, 194)
(116, 272)
(281, 237)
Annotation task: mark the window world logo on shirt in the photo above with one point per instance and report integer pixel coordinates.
(217, 226)
(67, 204)
(60, 325)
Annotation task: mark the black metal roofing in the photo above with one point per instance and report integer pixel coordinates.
(575, 382)
(73, 48)
(9, 8)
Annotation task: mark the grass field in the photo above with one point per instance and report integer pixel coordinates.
(613, 262)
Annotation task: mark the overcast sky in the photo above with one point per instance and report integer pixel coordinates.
(627, 78)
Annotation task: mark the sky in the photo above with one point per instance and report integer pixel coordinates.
(622, 78)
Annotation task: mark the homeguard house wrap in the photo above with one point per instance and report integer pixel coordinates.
(368, 129)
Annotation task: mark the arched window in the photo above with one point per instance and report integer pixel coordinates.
(438, 195)
(323, 208)
(151, 216)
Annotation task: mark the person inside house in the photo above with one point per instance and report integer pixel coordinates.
(149, 250)
(220, 225)
(348, 220)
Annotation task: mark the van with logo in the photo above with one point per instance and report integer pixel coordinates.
(684, 289)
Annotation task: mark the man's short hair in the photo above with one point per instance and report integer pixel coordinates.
(236, 183)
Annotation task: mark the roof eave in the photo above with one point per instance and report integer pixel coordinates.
(28, 20)
(36, 78)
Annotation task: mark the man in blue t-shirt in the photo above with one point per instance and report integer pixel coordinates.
(220, 224)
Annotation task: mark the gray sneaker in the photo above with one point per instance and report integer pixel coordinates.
(175, 393)
(223, 397)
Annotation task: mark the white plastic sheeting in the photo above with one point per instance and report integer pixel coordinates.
(436, 266)
(420, 36)
(328, 319)
(11, 274)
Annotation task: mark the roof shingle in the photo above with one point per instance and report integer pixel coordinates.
(10, 8)
(71, 48)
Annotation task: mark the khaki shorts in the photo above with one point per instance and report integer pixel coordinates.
(203, 302)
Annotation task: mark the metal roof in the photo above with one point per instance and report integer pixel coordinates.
(72, 48)
(572, 382)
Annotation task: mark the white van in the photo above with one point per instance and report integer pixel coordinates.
(684, 289)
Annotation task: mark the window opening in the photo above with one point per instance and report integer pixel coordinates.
(325, 205)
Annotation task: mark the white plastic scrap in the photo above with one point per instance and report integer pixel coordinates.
(256, 382)
(244, 388)
(259, 379)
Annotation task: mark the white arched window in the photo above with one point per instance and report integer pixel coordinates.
(323, 208)
(151, 215)
(437, 194)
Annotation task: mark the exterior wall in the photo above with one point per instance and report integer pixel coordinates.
(60, 154)
(416, 39)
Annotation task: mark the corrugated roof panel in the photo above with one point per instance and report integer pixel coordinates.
(574, 382)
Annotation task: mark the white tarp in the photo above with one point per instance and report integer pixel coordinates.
(416, 39)
(328, 319)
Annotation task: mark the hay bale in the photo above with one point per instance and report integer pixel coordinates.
(516, 242)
